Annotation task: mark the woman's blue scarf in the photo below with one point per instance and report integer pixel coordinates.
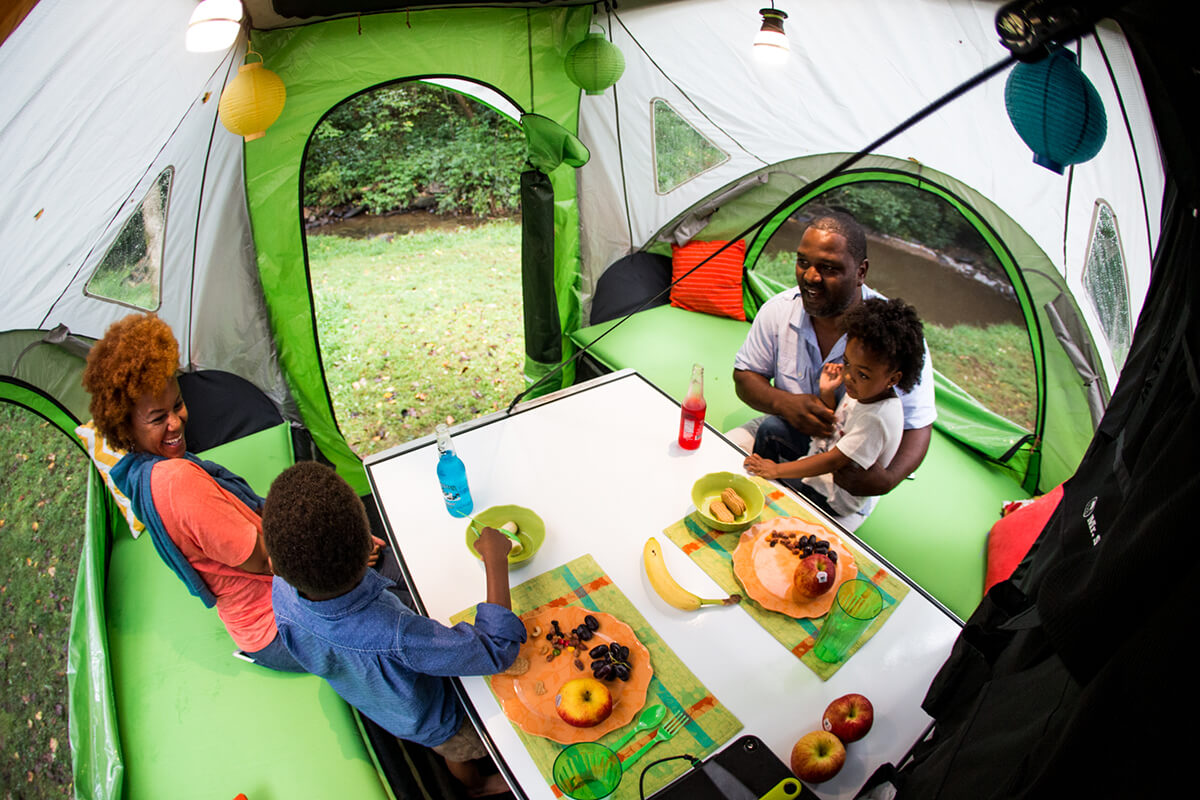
(132, 476)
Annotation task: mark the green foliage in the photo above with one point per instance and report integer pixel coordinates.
(388, 148)
(41, 528)
(680, 151)
(421, 329)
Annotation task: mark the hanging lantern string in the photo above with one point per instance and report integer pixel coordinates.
(936, 105)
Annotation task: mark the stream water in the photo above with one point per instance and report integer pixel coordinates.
(366, 226)
(943, 294)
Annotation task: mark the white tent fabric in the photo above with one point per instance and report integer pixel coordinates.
(100, 97)
(85, 130)
(846, 84)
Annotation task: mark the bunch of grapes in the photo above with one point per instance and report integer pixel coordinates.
(610, 661)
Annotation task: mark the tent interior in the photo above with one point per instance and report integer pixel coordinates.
(90, 154)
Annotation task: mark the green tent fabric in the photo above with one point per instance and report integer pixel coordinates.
(99, 767)
(322, 65)
(550, 145)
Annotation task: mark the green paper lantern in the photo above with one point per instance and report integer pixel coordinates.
(1056, 110)
(594, 64)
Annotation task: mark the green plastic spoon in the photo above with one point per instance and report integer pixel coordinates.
(651, 716)
(516, 537)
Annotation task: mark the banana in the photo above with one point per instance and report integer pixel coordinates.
(668, 588)
(511, 529)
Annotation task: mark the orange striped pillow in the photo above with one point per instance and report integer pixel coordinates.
(715, 288)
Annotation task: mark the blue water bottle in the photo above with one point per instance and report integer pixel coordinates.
(452, 475)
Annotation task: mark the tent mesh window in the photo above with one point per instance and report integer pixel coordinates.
(680, 151)
(1104, 280)
(131, 271)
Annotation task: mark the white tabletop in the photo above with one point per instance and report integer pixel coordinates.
(610, 444)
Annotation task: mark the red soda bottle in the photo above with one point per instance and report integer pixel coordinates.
(691, 417)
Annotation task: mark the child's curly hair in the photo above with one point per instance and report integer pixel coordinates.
(891, 330)
(137, 356)
(316, 530)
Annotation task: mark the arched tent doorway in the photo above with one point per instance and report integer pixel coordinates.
(1070, 391)
(418, 301)
(482, 45)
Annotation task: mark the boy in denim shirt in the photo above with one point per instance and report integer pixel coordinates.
(338, 619)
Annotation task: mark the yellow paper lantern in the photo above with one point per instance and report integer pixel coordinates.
(252, 101)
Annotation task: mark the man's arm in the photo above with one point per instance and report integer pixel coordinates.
(258, 562)
(804, 412)
(877, 480)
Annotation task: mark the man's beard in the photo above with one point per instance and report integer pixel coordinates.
(822, 304)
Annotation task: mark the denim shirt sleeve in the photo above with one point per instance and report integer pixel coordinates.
(485, 648)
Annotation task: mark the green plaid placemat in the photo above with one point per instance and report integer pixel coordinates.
(582, 583)
(713, 550)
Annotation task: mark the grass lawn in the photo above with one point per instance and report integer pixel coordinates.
(418, 329)
(993, 363)
(41, 528)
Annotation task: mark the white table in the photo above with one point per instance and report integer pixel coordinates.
(570, 455)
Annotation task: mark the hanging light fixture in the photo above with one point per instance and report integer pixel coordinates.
(214, 25)
(252, 101)
(595, 63)
(1056, 110)
(771, 43)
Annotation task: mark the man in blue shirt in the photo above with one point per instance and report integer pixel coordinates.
(796, 333)
(339, 620)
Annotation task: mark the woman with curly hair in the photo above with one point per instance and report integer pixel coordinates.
(204, 521)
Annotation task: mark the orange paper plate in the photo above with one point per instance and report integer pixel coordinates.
(534, 713)
(766, 572)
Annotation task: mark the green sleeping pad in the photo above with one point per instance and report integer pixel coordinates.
(662, 344)
(194, 721)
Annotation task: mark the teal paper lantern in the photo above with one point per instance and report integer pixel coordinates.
(594, 64)
(1056, 110)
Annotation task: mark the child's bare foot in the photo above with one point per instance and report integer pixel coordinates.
(474, 781)
(491, 785)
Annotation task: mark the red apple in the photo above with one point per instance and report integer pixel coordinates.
(818, 756)
(814, 576)
(583, 702)
(849, 717)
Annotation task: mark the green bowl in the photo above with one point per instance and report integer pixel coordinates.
(710, 487)
(530, 529)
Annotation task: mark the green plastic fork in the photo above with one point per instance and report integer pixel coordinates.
(673, 726)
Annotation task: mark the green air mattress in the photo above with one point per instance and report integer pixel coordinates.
(194, 721)
(932, 527)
